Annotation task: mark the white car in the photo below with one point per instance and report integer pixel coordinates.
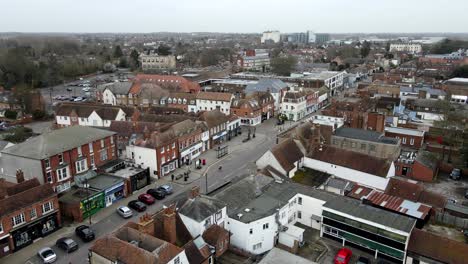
(124, 211)
(78, 99)
(47, 255)
(86, 89)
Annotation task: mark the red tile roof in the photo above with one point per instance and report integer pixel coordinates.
(287, 153)
(214, 96)
(169, 80)
(26, 198)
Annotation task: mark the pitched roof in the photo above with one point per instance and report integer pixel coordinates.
(184, 128)
(266, 85)
(127, 128)
(246, 103)
(293, 95)
(366, 135)
(106, 112)
(4, 184)
(437, 247)
(287, 153)
(214, 96)
(57, 141)
(152, 91)
(119, 87)
(165, 80)
(26, 198)
(22, 186)
(214, 118)
(352, 160)
(157, 139)
(414, 191)
(200, 207)
(213, 233)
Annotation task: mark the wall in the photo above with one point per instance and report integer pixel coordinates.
(109, 97)
(310, 206)
(198, 228)
(383, 151)
(146, 157)
(31, 168)
(269, 159)
(363, 178)
(207, 105)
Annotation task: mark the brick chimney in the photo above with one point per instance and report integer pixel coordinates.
(194, 192)
(169, 225)
(146, 224)
(19, 176)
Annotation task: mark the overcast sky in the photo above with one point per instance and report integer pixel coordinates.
(333, 16)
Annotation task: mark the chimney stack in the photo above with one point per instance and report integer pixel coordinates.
(169, 225)
(194, 192)
(19, 176)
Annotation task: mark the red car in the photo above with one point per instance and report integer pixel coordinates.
(146, 198)
(343, 256)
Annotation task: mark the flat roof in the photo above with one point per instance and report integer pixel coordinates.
(127, 172)
(279, 256)
(366, 135)
(322, 75)
(102, 182)
(357, 209)
(406, 131)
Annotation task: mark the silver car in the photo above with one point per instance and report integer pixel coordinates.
(166, 188)
(47, 255)
(124, 211)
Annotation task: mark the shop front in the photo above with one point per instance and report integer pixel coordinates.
(219, 138)
(92, 205)
(169, 167)
(114, 193)
(191, 153)
(42, 227)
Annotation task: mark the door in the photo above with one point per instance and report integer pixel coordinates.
(108, 200)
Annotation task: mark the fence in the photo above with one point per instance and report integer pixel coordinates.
(448, 219)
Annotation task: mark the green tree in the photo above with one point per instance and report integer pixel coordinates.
(164, 50)
(134, 59)
(19, 134)
(118, 52)
(123, 62)
(461, 71)
(365, 49)
(283, 65)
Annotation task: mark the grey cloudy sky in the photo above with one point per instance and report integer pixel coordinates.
(334, 16)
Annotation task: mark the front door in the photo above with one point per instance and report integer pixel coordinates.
(108, 200)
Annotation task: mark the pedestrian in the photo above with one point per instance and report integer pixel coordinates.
(172, 177)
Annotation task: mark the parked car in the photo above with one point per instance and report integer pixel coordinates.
(137, 205)
(166, 188)
(47, 255)
(124, 211)
(363, 260)
(85, 233)
(86, 89)
(157, 193)
(78, 99)
(452, 200)
(67, 244)
(69, 89)
(343, 256)
(455, 174)
(146, 198)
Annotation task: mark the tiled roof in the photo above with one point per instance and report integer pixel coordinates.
(4, 184)
(213, 233)
(22, 186)
(266, 85)
(352, 160)
(121, 88)
(26, 198)
(215, 96)
(213, 118)
(127, 128)
(169, 80)
(246, 103)
(106, 112)
(158, 139)
(57, 141)
(437, 247)
(287, 153)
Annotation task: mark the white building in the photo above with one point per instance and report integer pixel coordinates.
(335, 122)
(275, 87)
(286, 158)
(331, 79)
(271, 36)
(311, 36)
(71, 114)
(157, 62)
(116, 93)
(208, 101)
(406, 47)
(294, 105)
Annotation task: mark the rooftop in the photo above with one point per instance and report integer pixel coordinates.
(357, 209)
(366, 135)
(322, 75)
(57, 141)
(405, 131)
(400, 205)
(266, 85)
(279, 256)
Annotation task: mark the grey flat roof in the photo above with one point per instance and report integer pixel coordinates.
(366, 135)
(355, 208)
(57, 141)
(263, 85)
(322, 75)
(103, 182)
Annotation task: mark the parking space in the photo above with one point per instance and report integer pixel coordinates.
(454, 189)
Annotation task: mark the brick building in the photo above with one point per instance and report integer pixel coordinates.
(411, 138)
(249, 110)
(28, 211)
(418, 166)
(57, 157)
(354, 111)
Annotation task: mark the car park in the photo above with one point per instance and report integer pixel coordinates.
(137, 205)
(85, 233)
(124, 211)
(157, 193)
(146, 198)
(343, 256)
(47, 255)
(166, 188)
(67, 244)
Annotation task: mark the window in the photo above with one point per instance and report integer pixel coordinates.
(47, 163)
(90, 145)
(299, 200)
(47, 207)
(1, 228)
(33, 213)
(112, 140)
(103, 154)
(49, 177)
(372, 147)
(113, 151)
(80, 153)
(265, 226)
(173, 145)
(403, 140)
(102, 143)
(92, 160)
(177, 260)
(207, 222)
(363, 146)
(251, 231)
(81, 166)
(219, 215)
(162, 150)
(60, 156)
(17, 220)
(257, 246)
(411, 141)
(62, 174)
(299, 214)
(163, 160)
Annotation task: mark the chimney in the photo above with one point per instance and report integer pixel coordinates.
(19, 176)
(194, 192)
(169, 225)
(146, 224)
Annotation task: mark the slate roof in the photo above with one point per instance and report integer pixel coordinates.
(57, 141)
(266, 85)
(437, 247)
(366, 135)
(106, 112)
(352, 160)
(26, 198)
(201, 207)
(127, 128)
(287, 153)
(357, 209)
(169, 80)
(121, 88)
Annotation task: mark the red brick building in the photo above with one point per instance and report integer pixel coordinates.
(422, 167)
(249, 111)
(28, 211)
(411, 138)
(58, 156)
(354, 111)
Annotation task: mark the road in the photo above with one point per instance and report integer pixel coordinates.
(240, 162)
